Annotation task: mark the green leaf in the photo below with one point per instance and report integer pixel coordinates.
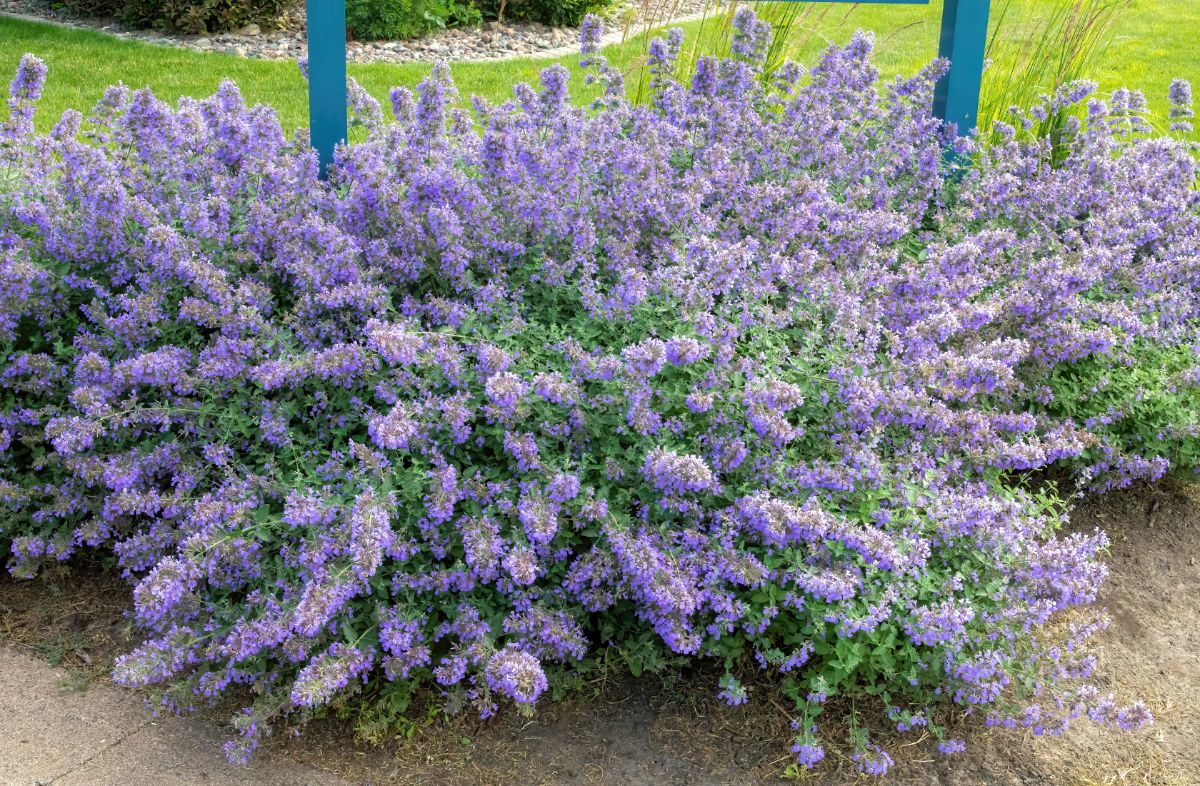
(635, 666)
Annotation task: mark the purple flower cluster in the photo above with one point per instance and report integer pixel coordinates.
(672, 473)
(516, 674)
(739, 374)
(1181, 112)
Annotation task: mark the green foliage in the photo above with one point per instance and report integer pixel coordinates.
(88, 8)
(885, 641)
(550, 12)
(1148, 404)
(191, 16)
(384, 713)
(379, 19)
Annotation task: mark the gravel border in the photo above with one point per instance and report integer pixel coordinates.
(491, 41)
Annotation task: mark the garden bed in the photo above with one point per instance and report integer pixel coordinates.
(644, 733)
(491, 40)
(741, 379)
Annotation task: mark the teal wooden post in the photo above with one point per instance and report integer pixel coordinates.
(326, 20)
(963, 43)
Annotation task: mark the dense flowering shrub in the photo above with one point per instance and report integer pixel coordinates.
(379, 19)
(747, 375)
(550, 12)
(192, 16)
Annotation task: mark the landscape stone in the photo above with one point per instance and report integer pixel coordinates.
(286, 38)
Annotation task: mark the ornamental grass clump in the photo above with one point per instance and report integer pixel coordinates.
(744, 375)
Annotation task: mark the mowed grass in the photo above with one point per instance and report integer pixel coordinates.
(1151, 43)
(82, 63)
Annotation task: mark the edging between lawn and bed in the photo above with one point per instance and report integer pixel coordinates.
(490, 43)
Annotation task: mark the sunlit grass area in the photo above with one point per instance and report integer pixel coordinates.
(1148, 43)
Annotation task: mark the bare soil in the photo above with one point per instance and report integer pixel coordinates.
(650, 733)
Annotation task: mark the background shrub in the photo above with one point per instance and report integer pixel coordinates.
(191, 16)
(90, 7)
(365, 19)
(199, 16)
(378, 19)
(550, 12)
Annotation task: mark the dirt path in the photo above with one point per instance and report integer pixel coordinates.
(632, 733)
(51, 734)
(1151, 650)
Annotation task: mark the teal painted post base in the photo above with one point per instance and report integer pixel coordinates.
(326, 76)
(963, 43)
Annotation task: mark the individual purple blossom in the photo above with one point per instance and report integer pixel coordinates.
(539, 517)
(23, 94)
(591, 33)
(329, 673)
(808, 754)
(521, 564)
(751, 36)
(939, 622)
(72, 435)
(483, 545)
(673, 473)
(699, 403)
(548, 634)
(443, 494)
(556, 389)
(273, 426)
(492, 359)
(451, 670)
(240, 750)
(403, 642)
(397, 344)
(563, 488)
(732, 692)
(554, 96)
(505, 390)
(523, 448)
(873, 761)
(163, 588)
(1130, 718)
(645, 359)
(457, 416)
(1134, 717)
(318, 603)
(516, 674)
(371, 534)
(165, 367)
(306, 508)
(952, 746)
(396, 430)
(778, 522)
(683, 350)
(342, 363)
(1181, 111)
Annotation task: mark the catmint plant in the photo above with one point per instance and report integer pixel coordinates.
(744, 375)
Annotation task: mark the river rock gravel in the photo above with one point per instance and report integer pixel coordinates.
(285, 39)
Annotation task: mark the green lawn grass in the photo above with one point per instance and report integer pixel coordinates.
(1150, 44)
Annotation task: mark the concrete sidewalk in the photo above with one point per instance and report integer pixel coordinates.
(106, 737)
